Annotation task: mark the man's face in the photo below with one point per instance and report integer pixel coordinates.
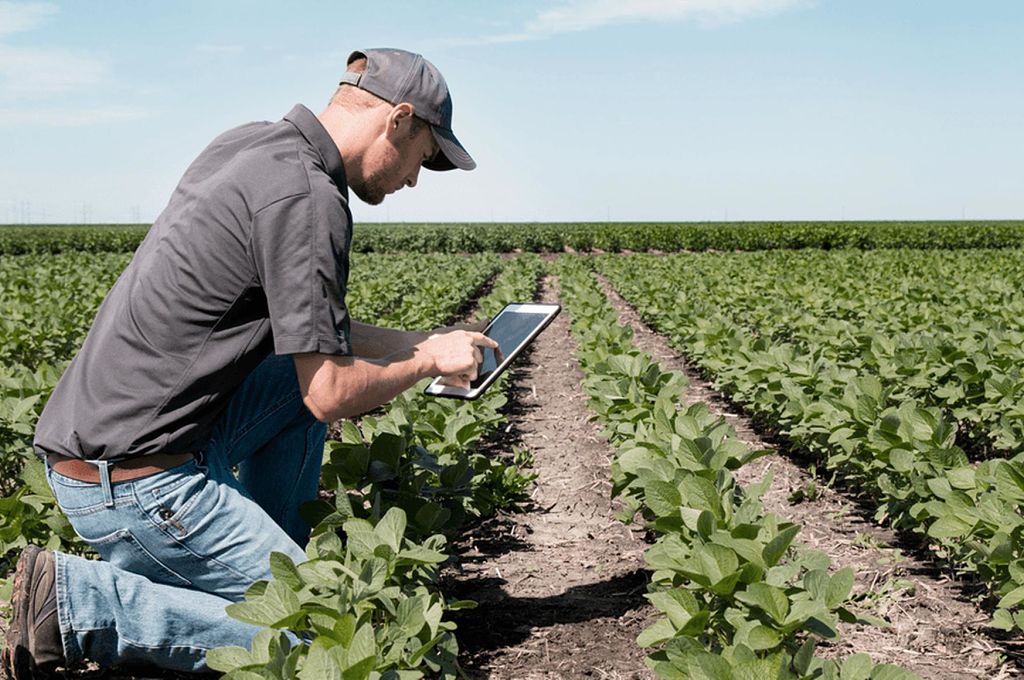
(393, 160)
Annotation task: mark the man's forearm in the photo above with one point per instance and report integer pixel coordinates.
(356, 385)
(376, 342)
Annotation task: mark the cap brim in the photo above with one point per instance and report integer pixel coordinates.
(453, 155)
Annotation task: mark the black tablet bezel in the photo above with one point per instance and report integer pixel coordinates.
(553, 310)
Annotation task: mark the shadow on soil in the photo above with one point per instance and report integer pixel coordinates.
(504, 621)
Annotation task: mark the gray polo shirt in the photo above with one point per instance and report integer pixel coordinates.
(249, 256)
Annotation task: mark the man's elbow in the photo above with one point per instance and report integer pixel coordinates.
(330, 406)
(320, 413)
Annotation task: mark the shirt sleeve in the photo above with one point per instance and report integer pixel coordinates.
(300, 251)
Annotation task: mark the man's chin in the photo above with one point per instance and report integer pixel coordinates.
(369, 197)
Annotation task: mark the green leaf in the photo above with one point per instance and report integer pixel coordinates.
(362, 540)
(1002, 620)
(840, 585)
(419, 555)
(283, 569)
(656, 634)
(961, 478)
(1010, 480)
(901, 460)
(949, 526)
(319, 664)
(678, 604)
(778, 546)
(277, 603)
(226, 659)
(362, 650)
(391, 528)
(816, 583)
(769, 668)
(705, 524)
(712, 564)
(1012, 598)
(701, 494)
(411, 615)
(33, 473)
(662, 498)
(761, 638)
(804, 656)
(771, 600)
(431, 516)
(856, 667)
(705, 666)
(888, 671)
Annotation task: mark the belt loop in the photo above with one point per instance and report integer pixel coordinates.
(104, 470)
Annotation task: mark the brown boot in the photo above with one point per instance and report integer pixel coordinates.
(34, 644)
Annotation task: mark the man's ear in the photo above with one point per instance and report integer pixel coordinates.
(399, 119)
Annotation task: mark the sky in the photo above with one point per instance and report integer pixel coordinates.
(575, 110)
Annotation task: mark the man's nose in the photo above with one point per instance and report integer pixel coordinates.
(411, 182)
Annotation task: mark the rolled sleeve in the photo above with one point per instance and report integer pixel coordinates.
(300, 251)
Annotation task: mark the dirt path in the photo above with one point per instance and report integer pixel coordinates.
(559, 588)
(934, 632)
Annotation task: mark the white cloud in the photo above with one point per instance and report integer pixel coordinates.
(16, 17)
(33, 72)
(583, 15)
(38, 73)
(28, 72)
(69, 118)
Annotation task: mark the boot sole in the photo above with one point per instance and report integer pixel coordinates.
(17, 659)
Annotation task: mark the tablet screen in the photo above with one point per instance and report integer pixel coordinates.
(513, 329)
(509, 330)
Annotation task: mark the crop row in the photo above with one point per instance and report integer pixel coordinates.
(739, 598)
(871, 382)
(943, 328)
(47, 304)
(366, 602)
(396, 480)
(556, 237)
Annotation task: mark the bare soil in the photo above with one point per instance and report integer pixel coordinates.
(934, 631)
(560, 588)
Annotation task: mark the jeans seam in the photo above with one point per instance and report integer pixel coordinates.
(72, 652)
(143, 645)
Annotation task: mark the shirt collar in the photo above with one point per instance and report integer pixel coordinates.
(313, 130)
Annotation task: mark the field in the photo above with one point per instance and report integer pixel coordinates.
(779, 450)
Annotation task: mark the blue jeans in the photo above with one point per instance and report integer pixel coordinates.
(178, 546)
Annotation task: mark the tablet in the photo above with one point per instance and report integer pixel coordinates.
(513, 328)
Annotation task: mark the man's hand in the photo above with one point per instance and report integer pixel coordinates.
(456, 355)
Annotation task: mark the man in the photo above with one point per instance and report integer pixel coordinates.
(227, 343)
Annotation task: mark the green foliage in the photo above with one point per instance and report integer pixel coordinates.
(358, 609)
(557, 237)
(893, 369)
(366, 605)
(739, 597)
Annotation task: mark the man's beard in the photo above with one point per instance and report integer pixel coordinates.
(369, 192)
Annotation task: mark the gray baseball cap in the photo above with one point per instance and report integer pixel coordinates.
(398, 76)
